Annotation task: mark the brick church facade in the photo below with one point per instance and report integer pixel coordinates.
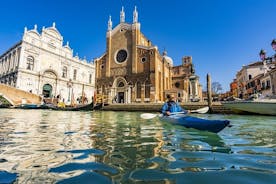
(132, 69)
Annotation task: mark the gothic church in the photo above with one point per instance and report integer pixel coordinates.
(132, 69)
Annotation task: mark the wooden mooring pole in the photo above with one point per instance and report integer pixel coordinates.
(209, 93)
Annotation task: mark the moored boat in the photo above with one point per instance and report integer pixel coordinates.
(82, 107)
(197, 123)
(98, 106)
(256, 106)
(31, 106)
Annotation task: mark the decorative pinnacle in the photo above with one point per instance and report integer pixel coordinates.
(122, 15)
(109, 24)
(135, 15)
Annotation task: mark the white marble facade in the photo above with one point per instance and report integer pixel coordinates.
(41, 64)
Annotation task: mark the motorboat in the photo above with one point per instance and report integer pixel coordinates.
(257, 105)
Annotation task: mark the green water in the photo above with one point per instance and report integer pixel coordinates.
(43, 146)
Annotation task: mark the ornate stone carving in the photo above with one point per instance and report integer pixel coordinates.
(118, 71)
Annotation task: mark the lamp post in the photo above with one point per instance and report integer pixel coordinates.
(262, 55)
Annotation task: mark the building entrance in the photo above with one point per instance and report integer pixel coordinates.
(121, 97)
(47, 91)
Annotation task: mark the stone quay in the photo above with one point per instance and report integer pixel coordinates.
(217, 107)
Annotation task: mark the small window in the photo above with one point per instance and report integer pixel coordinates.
(268, 84)
(75, 74)
(102, 66)
(90, 78)
(30, 63)
(64, 72)
(177, 84)
(263, 85)
(143, 59)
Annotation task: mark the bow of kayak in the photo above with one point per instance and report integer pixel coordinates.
(197, 123)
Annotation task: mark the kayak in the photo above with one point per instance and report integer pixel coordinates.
(196, 123)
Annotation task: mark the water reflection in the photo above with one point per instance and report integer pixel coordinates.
(119, 147)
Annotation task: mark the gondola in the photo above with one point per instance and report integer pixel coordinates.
(86, 107)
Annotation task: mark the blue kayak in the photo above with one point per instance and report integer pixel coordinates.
(197, 123)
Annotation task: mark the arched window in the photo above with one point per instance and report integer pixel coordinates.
(103, 89)
(64, 72)
(121, 84)
(90, 78)
(147, 89)
(75, 74)
(138, 90)
(249, 77)
(30, 63)
(47, 90)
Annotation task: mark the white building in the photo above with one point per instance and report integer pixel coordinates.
(41, 64)
(251, 71)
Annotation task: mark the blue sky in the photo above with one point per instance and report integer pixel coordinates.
(220, 35)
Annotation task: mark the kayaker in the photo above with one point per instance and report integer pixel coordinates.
(171, 106)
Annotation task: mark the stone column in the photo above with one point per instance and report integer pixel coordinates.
(9, 62)
(16, 63)
(209, 92)
(13, 60)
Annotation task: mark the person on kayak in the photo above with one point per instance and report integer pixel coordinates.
(171, 106)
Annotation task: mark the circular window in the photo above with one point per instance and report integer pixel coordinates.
(121, 56)
(143, 59)
(177, 84)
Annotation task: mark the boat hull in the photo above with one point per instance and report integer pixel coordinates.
(257, 107)
(31, 106)
(197, 123)
(87, 107)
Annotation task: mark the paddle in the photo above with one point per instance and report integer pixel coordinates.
(150, 115)
(202, 110)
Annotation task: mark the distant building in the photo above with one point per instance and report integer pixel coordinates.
(133, 70)
(257, 77)
(273, 81)
(253, 85)
(234, 88)
(42, 65)
(185, 84)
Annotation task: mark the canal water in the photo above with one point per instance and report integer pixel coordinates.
(43, 146)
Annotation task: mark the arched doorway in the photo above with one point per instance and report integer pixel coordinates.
(47, 91)
(121, 93)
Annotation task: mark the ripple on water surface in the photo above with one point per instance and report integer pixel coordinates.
(119, 147)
